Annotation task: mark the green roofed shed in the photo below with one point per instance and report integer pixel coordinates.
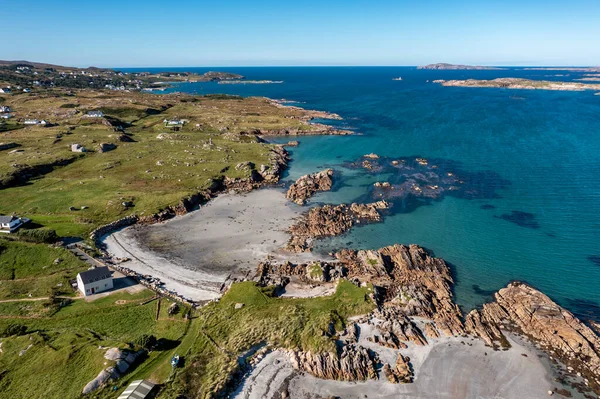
(139, 389)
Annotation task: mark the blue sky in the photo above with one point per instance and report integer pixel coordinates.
(338, 32)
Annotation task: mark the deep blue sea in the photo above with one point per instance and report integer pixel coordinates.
(531, 157)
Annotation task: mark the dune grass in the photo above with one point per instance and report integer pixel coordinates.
(225, 333)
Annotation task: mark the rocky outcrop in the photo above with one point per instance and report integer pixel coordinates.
(519, 83)
(307, 185)
(395, 327)
(413, 281)
(105, 147)
(123, 360)
(353, 363)
(401, 372)
(329, 220)
(556, 329)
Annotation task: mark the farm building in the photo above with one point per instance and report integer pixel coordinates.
(94, 281)
(139, 389)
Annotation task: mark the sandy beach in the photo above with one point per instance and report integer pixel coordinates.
(449, 367)
(195, 254)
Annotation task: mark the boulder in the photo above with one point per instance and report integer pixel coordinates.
(105, 147)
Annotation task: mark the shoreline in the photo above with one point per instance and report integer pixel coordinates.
(445, 367)
(224, 241)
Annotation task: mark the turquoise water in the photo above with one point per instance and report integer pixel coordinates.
(534, 152)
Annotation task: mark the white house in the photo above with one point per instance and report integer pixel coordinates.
(95, 280)
(94, 114)
(5, 116)
(4, 108)
(9, 224)
(5, 90)
(35, 122)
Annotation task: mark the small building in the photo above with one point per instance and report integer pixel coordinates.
(35, 122)
(5, 116)
(94, 280)
(26, 90)
(139, 389)
(174, 122)
(5, 90)
(94, 114)
(4, 108)
(10, 224)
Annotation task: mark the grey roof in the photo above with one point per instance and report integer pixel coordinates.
(137, 390)
(7, 219)
(96, 274)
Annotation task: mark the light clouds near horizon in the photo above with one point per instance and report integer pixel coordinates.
(242, 33)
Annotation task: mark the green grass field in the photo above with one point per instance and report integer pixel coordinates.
(156, 169)
(29, 269)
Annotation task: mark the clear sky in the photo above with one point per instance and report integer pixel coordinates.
(125, 33)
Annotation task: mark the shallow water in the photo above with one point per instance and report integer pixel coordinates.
(535, 154)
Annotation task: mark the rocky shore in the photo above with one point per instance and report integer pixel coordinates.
(413, 292)
(329, 221)
(307, 185)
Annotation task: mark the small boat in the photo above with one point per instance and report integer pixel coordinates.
(175, 361)
(398, 78)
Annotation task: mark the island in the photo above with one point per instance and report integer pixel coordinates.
(250, 82)
(518, 83)
(445, 66)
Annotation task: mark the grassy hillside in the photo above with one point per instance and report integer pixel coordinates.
(152, 166)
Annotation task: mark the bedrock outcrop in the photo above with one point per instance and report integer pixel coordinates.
(522, 307)
(329, 221)
(307, 185)
(353, 363)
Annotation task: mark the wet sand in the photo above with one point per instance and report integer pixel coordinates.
(444, 369)
(196, 253)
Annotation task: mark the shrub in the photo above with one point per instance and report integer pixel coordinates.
(38, 235)
(146, 341)
(15, 329)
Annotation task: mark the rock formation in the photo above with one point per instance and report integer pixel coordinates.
(557, 330)
(308, 185)
(415, 282)
(329, 220)
(353, 363)
(401, 372)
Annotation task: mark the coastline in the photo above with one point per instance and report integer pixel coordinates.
(447, 367)
(198, 254)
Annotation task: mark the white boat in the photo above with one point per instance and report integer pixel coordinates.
(398, 78)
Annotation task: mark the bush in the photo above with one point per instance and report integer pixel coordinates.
(15, 329)
(146, 341)
(38, 235)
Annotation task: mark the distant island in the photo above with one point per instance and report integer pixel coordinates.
(456, 67)
(516, 83)
(249, 82)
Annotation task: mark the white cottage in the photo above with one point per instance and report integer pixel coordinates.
(94, 281)
(9, 224)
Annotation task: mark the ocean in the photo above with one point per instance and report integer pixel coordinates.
(528, 205)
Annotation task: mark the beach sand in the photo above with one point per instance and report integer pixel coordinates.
(446, 368)
(195, 254)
